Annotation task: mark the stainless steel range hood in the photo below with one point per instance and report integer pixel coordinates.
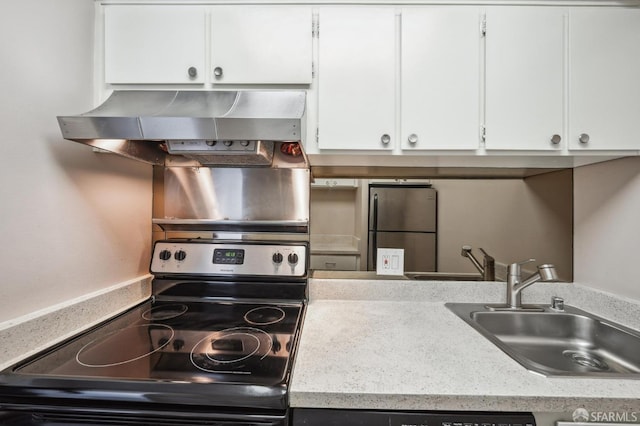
(233, 128)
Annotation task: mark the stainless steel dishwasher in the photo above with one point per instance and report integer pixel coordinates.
(330, 417)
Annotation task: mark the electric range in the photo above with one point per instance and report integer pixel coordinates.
(213, 345)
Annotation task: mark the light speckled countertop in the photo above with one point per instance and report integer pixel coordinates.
(28, 335)
(394, 345)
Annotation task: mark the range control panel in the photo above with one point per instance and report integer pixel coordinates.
(200, 146)
(187, 257)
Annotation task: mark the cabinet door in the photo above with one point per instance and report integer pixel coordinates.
(604, 98)
(261, 45)
(440, 78)
(356, 78)
(525, 78)
(159, 44)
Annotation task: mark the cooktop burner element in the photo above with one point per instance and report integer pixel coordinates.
(105, 352)
(264, 315)
(230, 350)
(165, 312)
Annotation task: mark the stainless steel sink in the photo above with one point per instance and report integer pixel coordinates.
(568, 343)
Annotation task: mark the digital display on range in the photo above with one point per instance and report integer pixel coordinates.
(228, 256)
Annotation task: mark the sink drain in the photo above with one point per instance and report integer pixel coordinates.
(586, 360)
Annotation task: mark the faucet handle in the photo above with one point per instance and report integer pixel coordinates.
(486, 255)
(557, 303)
(489, 266)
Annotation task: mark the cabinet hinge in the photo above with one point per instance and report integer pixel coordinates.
(483, 134)
(317, 135)
(483, 27)
(313, 70)
(315, 29)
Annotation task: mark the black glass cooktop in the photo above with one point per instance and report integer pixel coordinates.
(174, 341)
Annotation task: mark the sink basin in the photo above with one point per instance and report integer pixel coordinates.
(553, 343)
(442, 276)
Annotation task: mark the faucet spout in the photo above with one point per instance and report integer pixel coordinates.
(545, 273)
(466, 252)
(487, 269)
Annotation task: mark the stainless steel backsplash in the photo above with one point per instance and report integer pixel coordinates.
(231, 194)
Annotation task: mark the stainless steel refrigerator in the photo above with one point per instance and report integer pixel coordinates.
(404, 216)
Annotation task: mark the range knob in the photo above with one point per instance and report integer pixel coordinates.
(277, 257)
(165, 255)
(180, 255)
(293, 258)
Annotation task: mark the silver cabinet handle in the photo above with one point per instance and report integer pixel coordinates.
(217, 71)
(555, 139)
(413, 139)
(385, 139)
(193, 72)
(584, 138)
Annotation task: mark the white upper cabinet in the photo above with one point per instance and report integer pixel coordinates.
(167, 44)
(261, 44)
(525, 76)
(356, 78)
(156, 44)
(440, 64)
(406, 78)
(604, 97)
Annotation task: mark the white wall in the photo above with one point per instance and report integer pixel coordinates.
(607, 226)
(72, 221)
(334, 211)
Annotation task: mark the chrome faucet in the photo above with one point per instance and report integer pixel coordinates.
(515, 284)
(487, 269)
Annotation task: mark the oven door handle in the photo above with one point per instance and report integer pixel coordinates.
(25, 414)
(374, 254)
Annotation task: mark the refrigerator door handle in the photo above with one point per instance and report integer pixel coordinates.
(374, 255)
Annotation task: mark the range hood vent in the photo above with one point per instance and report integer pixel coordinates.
(173, 128)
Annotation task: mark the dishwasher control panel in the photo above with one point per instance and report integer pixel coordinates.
(324, 417)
